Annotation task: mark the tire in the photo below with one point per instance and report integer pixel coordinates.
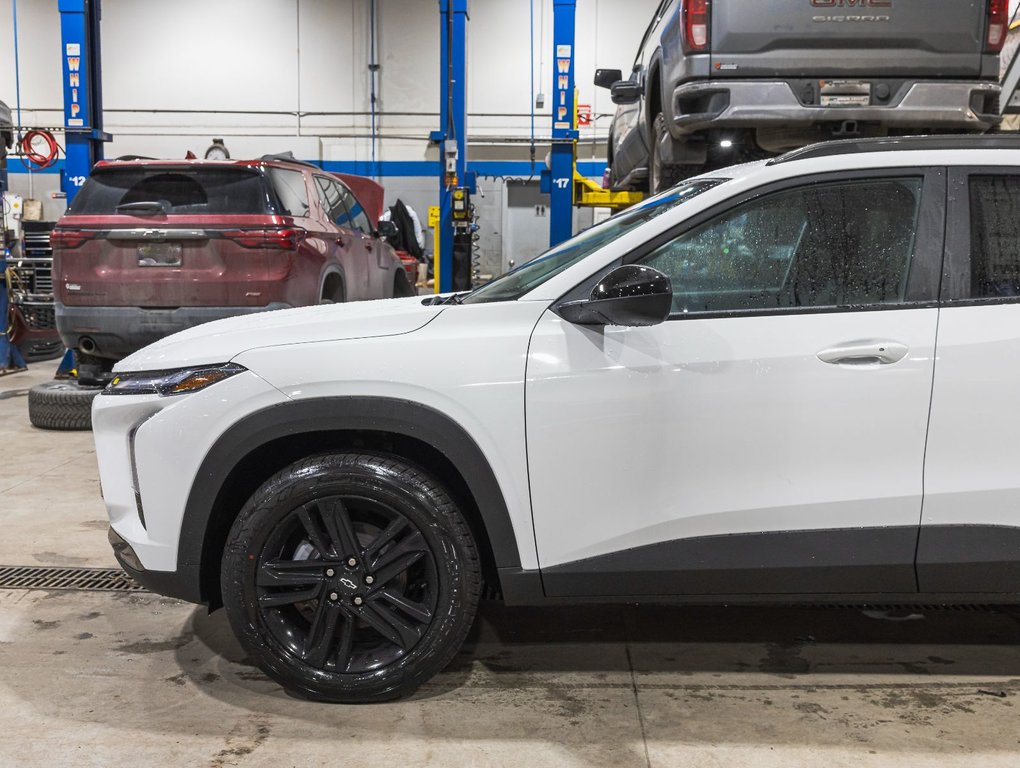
(416, 573)
(32, 355)
(661, 177)
(61, 405)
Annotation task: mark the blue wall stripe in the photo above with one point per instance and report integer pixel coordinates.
(17, 165)
(398, 168)
(427, 168)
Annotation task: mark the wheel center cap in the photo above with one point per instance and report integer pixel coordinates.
(348, 584)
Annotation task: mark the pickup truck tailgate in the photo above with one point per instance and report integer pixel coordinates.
(864, 38)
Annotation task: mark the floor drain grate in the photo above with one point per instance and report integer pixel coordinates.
(86, 579)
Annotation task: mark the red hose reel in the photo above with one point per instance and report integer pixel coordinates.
(39, 160)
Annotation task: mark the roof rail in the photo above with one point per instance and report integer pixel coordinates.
(288, 157)
(900, 144)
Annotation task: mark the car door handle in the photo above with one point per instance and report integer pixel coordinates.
(864, 353)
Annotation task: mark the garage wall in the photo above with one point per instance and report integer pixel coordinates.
(277, 75)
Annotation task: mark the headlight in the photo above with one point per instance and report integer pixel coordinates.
(168, 383)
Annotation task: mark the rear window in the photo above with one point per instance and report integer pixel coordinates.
(179, 190)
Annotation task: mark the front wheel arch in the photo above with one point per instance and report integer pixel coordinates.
(268, 440)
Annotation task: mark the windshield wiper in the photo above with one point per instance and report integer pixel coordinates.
(145, 208)
(455, 298)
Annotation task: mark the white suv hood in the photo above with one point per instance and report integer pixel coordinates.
(222, 340)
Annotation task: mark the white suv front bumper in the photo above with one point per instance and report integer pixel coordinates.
(150, 449)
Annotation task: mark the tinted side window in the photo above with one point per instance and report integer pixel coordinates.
(827, 245)
(994, 236)
(358, 218)
(332, 200)
(291, 191)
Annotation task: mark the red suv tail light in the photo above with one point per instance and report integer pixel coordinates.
(998, 25)
(70, 238)
(280, 239)
(697, 25)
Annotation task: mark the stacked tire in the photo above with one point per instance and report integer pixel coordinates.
(61, 405)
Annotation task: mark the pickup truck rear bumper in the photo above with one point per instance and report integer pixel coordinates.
(966, 106)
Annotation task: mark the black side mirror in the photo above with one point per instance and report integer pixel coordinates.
(626, 92)
(387, 230)
(630, 295)
(607, 78)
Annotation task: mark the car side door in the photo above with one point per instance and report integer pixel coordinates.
(348, 253)
(970, 532)
(367, 248)
(769, 437)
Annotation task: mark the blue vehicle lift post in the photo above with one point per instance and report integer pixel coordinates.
(83, 91)
(564, 127)
(10, 357)
(452, 134)
(83, 103)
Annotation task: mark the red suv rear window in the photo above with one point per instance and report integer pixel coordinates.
(213, 191)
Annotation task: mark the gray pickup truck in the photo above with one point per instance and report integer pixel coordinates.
(718, 82)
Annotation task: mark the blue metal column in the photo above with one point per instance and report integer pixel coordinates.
(564, 133)
(453, 15)
(83, 95)
(10, 358)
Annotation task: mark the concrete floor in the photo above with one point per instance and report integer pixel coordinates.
(90, 679)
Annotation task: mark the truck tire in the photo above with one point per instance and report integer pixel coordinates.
(661, 176)
(61, 405)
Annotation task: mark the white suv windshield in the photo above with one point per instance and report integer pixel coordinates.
(527, 277)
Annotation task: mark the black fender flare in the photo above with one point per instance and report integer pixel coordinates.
(352, 414)
(654, 72)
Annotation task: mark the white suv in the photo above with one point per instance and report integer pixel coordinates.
(794, 380)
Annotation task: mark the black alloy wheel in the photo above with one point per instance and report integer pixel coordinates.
(351, 577)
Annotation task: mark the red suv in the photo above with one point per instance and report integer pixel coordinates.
(151, 247)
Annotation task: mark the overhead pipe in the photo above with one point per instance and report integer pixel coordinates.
(373, 68)
(532, 61)
(17, 94)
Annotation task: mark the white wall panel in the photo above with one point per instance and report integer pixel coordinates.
(39, 43)
(330, 64)
(200, 54)
(194, 66)
(498, 50)
(409, 56)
